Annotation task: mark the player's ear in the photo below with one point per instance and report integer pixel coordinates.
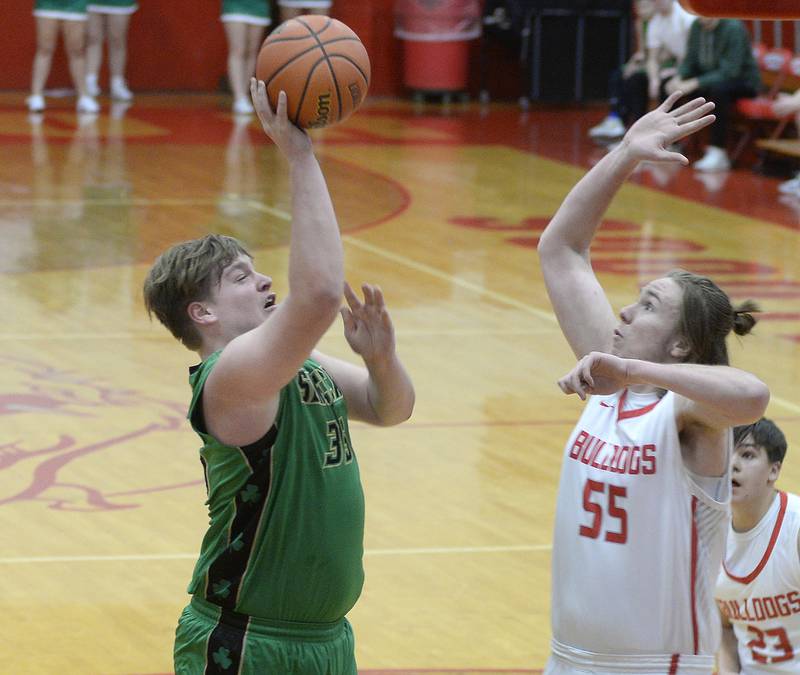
(200, 313)
(774, 471)
(680, 349)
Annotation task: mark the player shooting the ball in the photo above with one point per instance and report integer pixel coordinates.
(281, 563)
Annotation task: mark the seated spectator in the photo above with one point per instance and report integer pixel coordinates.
(789, 104)
(662, 29)
(720, 66)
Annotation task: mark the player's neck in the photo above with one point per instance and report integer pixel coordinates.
(747, 515)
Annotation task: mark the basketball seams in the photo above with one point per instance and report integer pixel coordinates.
(299, 75)
(353, 63)
(305, 91)
(327, 59)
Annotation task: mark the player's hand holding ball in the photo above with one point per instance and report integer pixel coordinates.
(322, 66)
(291, 141)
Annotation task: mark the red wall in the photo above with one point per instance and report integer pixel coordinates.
(180, 45)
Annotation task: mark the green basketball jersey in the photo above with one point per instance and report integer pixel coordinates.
(285, 539)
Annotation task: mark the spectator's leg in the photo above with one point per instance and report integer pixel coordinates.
(636, 98)
(724, 96)
(612, 126)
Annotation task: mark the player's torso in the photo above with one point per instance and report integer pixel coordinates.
(635, 537)
(287, 513)
(758, 590)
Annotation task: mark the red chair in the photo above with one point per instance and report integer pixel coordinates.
(775, 65)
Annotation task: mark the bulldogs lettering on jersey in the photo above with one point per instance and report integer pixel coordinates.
(638, 541)
(758, 590)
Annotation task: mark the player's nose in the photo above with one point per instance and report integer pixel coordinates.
(264, 282)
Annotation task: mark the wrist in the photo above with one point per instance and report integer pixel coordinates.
(380, 363)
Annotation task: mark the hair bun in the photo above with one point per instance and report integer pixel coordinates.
(743, 319)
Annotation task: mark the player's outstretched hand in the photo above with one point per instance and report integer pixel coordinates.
(595, 373)
(650, 137)
(367, 325)
(291, 140)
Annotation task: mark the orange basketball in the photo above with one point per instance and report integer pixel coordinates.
(321, 65)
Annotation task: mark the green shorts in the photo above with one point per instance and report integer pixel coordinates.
(212, 641)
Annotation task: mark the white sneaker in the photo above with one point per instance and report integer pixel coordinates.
(241, 106)
(92, 88)
(715, 159)
(35, 103)
(120, 91)
(610, 127)
(791, 186)
(86, 104)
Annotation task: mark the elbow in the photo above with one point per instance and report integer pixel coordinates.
(545, 244)
(399, 413)
(755, 398)
(760, 399)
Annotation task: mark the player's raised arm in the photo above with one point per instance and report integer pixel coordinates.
(255, 365)
(583, 311)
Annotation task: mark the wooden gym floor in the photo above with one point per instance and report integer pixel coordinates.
(101, 494)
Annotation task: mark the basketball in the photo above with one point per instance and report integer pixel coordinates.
(321, 65)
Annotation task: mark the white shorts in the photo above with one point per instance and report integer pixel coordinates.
(565, 660)
(62, 16)
(245, 18)
(106, 9)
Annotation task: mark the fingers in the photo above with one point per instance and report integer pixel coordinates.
(352, 298)
(687, 129)
(348, 320)
(667, 156)
(688, 107)
(586, 372)
(571, 384)
(258, 92)
(670, 101)
(375, 296)
(281, 108)
(701, 110)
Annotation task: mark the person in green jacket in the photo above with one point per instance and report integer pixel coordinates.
(281, 562)
(719, 66)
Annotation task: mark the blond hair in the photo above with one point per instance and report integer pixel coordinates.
(186, 273)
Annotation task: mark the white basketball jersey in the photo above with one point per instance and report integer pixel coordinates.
(758, 590)
(638, 543)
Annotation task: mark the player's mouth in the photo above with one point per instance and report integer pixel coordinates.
(735, 483)
(270, 302)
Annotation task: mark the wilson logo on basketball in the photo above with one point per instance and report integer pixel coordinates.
(323, 111)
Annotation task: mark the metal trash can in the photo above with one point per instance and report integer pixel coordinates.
(436, 36)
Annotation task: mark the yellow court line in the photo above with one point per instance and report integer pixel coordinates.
(422, 267)
(432, 271)
(191, 556)
(784, 403)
